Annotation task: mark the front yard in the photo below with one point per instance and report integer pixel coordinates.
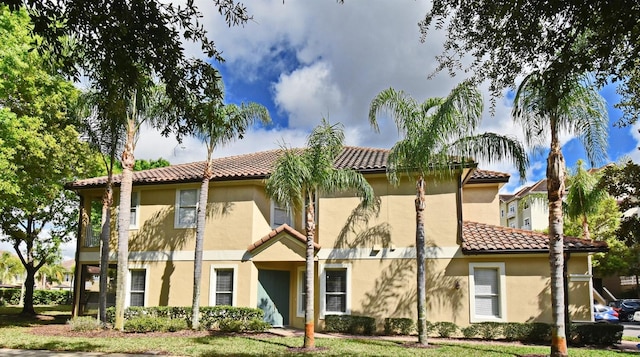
(50, 332)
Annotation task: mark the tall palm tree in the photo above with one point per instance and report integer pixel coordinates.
(298, 177)
(438, 139)
(584, 196)
(105, 136)
(544, 108)
(219, 125)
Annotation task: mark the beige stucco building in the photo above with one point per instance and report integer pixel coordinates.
(365, 262)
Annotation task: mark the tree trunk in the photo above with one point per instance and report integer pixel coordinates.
(585, 227)
(555, 186)
(420, 256)
(197, 261)
(105, 234)
(29, 282)
(309, 275)
(128, 162)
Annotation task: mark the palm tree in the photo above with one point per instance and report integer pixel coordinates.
(106, 137)
(438, 139)
(53, 273)
(544, 108)
(10, 268)
(584, 196)
(220, 124)
(298, 177)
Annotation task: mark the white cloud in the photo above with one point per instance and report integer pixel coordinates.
(635, 133)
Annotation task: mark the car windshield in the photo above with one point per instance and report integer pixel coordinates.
(632, 304)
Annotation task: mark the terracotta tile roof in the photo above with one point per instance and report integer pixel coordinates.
(258, 165)
(480, 238)
(274, 233)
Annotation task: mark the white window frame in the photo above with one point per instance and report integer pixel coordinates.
(323, 289)
(135, 225)
(212, 283)
(127, 298)
(526, 223)
(511, 209)
(300, 291)
(177, 223)
(502, 292)
(272, 216)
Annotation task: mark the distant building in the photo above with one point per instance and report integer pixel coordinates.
(522, 210)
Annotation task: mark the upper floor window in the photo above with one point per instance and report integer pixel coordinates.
(501, 213)
(512, 209)
(525, 205)
(280, 216)
(135, 210)
(527, 223)
(186, 208)
(94, 224)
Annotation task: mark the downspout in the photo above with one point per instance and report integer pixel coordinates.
(567, 319)
(459, 204)
(75, 299)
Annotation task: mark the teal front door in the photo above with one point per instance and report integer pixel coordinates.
(273, 296)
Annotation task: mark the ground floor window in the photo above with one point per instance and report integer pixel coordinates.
(335, 289)
(487, 292)
(138, 283)
(223, 285)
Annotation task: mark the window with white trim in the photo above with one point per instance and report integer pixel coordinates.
(336, 289)
(186, 208)
(223, 285)
(487, 292)
(138, 285)
(527, 223)
(135, 210)
(512, 209)
(302, 288)
(280, 216)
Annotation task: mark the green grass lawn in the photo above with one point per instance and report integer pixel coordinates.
(14, 333)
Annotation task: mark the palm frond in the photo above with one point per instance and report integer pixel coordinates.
(397, 103)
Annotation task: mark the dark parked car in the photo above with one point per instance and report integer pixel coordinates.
(626, 308)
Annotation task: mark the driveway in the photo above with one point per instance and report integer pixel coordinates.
(631, 329)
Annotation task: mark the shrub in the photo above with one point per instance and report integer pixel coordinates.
(398, 326)
(489, 330)
(470, 331)
(601, 334)
(10, 296)
(145, 324)
(537, 332)
(84, 323)
(445, 329)
(357, 325)
(233, 325)
(51, 297)
(173, 325)
(515, 331)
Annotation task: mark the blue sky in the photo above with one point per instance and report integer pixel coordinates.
(309, 60)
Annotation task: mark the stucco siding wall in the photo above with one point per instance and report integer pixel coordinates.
(481, 203)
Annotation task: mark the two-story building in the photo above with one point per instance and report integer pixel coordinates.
(254, 251)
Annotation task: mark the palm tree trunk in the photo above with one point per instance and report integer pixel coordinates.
(420, 256)
(197, 261)
(585, 228)
(555, 187)
(309, 318)
(105, 234)
(128, 161)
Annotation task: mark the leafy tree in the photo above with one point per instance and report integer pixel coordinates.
(583, 196)
(219, 124)
(143, 164)
(565, 39)
(544, 109)
(298, 178)
(439, 137)
(43, 152)
(10, 268)
(623, 182)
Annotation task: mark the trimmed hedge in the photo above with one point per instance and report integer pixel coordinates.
(398, 326)
(601, 334)
(211, 317)
(40, 297)
(357, 325)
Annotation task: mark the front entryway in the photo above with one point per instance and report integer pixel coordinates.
(273, 296)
